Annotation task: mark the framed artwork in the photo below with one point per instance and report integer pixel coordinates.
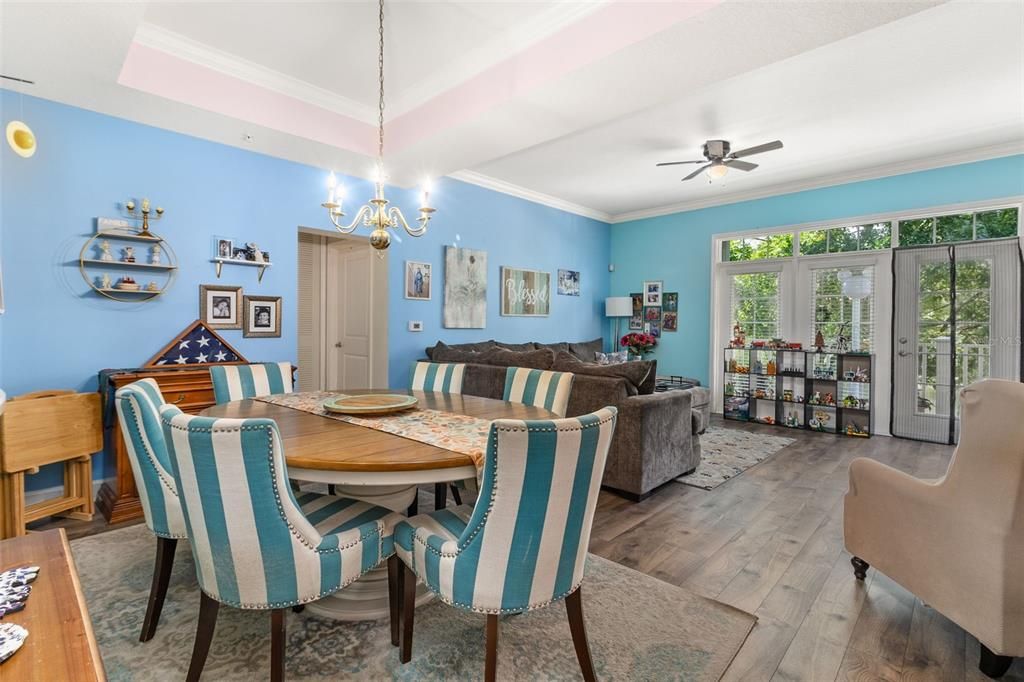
(569, 282)
(418, 279)
(196, 345)
(670, 302)
(465, 288)
(670, 322)
(652, 293)
(638, 303)
(525, 293)
(224, 248)
(636, 321)
(655, 329)
(220, 307)
(240, 253)
(262, 317)
(653, 314)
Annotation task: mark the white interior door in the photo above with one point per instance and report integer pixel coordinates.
(349, 318)
(312, 270)
(957, 318)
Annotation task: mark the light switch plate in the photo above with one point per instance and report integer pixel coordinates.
(415, 326)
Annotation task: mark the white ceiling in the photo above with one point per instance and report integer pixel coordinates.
(568, 103)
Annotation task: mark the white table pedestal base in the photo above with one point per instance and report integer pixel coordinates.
(365, 599)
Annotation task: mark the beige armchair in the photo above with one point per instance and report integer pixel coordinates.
(956, 542)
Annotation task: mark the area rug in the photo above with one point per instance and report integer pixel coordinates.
(640, 629)
(726, 453)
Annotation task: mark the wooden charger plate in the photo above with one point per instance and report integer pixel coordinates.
(378, 403)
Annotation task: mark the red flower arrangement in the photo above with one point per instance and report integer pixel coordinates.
(639, 343)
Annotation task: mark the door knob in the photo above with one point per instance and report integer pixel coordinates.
(903, 353)
(339, 344)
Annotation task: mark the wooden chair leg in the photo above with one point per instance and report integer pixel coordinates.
(330, 489)
(395, 574)
(408, 612)
(491, 659)
(574, 607)
(992, 664)
(158, 590)
(207, 623)
(456, 495)
(440, 496)
(277, 640)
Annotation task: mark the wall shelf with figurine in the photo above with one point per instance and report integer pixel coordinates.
(123, 236)
(249, 254)
(784, 385)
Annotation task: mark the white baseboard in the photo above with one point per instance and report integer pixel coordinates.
(33, 496)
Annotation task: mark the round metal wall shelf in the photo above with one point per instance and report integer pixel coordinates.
(93, 269)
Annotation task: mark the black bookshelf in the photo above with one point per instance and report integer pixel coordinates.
(822, 391)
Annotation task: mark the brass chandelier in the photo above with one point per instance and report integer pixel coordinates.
(375, 214)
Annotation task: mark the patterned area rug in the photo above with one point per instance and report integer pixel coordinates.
(729, 452)
(640, 629)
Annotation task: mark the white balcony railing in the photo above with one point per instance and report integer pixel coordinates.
(934, 374)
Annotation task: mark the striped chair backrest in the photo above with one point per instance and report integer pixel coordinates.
(438, 377)
(526, 541)
(539, 388)
(252, 545)
(138, 412)
(239, 382)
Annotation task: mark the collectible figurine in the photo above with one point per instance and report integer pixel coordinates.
(105, 254)
(819, 341)
(129, 254)
(154, 254)
(787, 395)
(771, 368)
(105, 282)
(153, 286)
(829, 400)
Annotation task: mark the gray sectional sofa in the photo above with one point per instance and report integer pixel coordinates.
(657, 436)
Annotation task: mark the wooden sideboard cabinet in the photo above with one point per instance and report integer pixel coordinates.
(190, 388)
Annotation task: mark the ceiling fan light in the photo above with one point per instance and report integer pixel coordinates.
(717, 171)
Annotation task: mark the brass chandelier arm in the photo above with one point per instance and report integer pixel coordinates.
(361, 218)
(396, 218)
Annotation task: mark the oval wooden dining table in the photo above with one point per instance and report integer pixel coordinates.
(371, 465)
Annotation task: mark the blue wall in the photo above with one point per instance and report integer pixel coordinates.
(676, 248)
(58, 334)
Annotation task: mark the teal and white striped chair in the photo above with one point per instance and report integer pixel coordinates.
(138, 411)
(239, 382)
(438, 377)
(255, 545)
(524, 544)
(539, 388)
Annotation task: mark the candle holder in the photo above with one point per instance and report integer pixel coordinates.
(144, 213)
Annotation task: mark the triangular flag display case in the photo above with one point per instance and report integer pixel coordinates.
(197, 345)
(182, 370)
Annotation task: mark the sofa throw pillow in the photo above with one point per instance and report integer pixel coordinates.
(534, 359)
(633, 372)
(650, 382)
(611, 358)
(476, 347)
(530, 345)
(450, 354)
(585, 350)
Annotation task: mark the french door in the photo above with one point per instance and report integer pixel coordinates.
(957, 320)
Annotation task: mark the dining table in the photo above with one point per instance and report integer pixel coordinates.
(372, 465)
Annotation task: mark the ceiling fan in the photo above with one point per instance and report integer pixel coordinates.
(718, 159)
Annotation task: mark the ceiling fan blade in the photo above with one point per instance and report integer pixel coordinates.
(750, 151)
(740, 165)
(695, 173)
(677, 163)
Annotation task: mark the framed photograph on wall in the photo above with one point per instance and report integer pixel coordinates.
(670, 302)
(525, 293)
(262, 316)
(225, 248)
(636, 321)
(653, 314)
(568, 282)
(670, 322)
(652, 293)
(220, 307)
(418, 279)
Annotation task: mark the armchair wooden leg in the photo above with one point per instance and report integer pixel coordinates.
(456, 495)
(860, 567)
(298, 608)
(395, 572)
(277, 640)
(992, 664)
(408, 612)
(208, 608)
(158, 590)
(574, 607)
(491, 660)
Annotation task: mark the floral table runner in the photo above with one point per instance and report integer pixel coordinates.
(456, 432)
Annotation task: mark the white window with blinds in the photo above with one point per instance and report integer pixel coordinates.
(842, 304)
(754, 304)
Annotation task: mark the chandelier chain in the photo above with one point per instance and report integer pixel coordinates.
(380, 73)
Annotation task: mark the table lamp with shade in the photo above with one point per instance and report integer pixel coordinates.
(618, 307)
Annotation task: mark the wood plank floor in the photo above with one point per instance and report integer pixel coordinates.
(770, 542)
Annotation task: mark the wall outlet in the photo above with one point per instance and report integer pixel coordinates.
(416, 326)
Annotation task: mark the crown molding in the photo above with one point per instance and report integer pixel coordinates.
(179, 46)
(488, 182)
(885, 171)
(515, 40)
